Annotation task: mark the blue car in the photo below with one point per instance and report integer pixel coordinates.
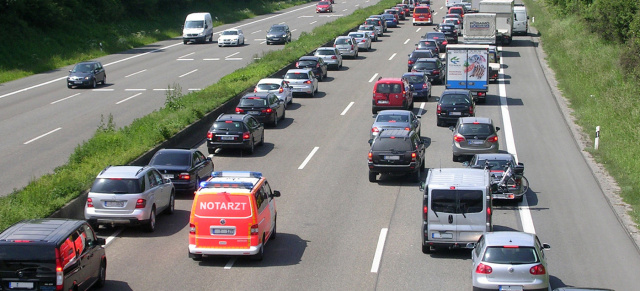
(390, 19)
(420, 83)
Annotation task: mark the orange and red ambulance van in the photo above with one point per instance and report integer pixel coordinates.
(233, 213)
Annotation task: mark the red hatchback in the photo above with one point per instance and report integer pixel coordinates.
(391, 93)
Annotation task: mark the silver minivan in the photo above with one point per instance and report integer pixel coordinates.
(456, 207)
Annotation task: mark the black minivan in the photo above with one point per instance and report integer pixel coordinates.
(51, 254)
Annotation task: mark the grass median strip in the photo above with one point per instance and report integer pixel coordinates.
(117, 146)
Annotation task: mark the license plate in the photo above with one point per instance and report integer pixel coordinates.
(228, 137)
(167, 176)
(445, 235)
(476, 141)
(296, 89)
(78, 82)
(254, 112)
(383, 101)
(455, 113)
(393, 158)
(114, 204)
(26, 285)
(510, 288)
(275, 39)
(223, 231)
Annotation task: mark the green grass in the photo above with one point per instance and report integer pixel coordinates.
(585, 66)
(118, 146)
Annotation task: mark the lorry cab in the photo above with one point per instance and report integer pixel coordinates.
(198, 27)
(233, 213)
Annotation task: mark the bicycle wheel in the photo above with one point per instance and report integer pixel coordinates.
(524, 186)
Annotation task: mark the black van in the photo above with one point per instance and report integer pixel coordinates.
(51, 254)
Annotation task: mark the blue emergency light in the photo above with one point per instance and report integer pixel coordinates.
(236, 174)
(226, 184)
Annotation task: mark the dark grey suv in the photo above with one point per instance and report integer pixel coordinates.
(279, 33)
(241, 131)
(397, 151)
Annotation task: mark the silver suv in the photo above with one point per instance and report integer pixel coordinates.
(129, 195)
(331, 56)
(347, 46)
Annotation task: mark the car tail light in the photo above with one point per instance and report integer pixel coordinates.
(413, 70)
(184, 176)
(297, 64)
(89, 202)
(246, 135)
(409, 62)
(483, 269)
(375, 129)
(480, 94)
(425, 211)
(407, 129)
(254, 229)
(413, 157)
(268, 110)
(445, 42)
(458, 138)
(210, 135)
(364, 40)
(334, 45)
(307, 82)
(492, 139)
(333, 57)
(537, 270)
(255, 90)
(470, 109)
(59, 273)
(239, 110)
(318, 65)
(280, 90)
(436, 72)
(141, 203)
(192, 228)
(370, 157)
(438, 109)
(351, 46)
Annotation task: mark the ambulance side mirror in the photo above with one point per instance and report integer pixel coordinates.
(275, 194)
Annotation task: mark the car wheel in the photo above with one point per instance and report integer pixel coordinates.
(104, 80)
(373, 111)
(455, 158)
(69, 86)
(94, 226)
(252, 147)
(274, 234)
(372, 176)
(196, 258)
(151, 225)
(184, 41)
(211, 150)
(416, 175)
(102, 275)
(93, 84)
(268, 43)
(275, 120)
(172, 204)
(426, 249)
(321, 78)
(520, 198)
(262, 138)
(284, 114)
(326, 74)
(313, 93)
(260, 255)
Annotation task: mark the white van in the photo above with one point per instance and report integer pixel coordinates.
(198, 27)
(456, 207)
(520, 20)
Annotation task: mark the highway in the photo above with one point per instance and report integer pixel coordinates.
(336, 230)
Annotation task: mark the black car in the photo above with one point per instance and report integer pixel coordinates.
(419, 54)
(397, 151)
(235, 131)
(432, 45)
(87, 74)
(450, 32)
(278, 33)
(433, 67)
(185, 167)
(265, 107)
(454, 104)
(440, 39)
(315, 63)
(51, 254)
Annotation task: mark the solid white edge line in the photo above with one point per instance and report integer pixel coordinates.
(187, 73)
(392, 56)
(127, 76)
(347, 109)
(523, 207)
(42, 135)
(230, 263)
(406, 41)
(378, 256)
(123, 100)
(304, 163)
(74, 95)
(113, 236)
(372, 78)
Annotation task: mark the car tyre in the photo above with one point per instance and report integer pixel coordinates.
(519, 198)
(196, 258)
(69, 86)
(211, 150)
(284, 114)
(260, 255)
(262, 138)
(252, 148)
(274, 234)
(426, 249)
(104, 80)
(184, 41)
(313, 93)
(172, 204)
(151, 224)
(102, 275)
(455, 158)
(94, 83)
(275, 120)
(417, 175)
(372, 176)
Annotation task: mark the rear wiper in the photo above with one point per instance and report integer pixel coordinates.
(436, 213)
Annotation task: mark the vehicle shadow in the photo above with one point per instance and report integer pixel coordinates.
(116, 285)
(260, 151)
(359, 57)
(145, 49)
(510, 54)
(293, 106)
(286, 250)
(166, 225)
(522, 43)
(282, 124)
(328, 79)
(460, 254)
(344, 68)
(494, 100)
(555, 282)
(502, 228)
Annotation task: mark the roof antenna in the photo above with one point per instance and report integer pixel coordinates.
(440, 165)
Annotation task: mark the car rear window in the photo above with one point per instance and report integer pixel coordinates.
(117, 185)
(392, 144)
(325, 52)
(343, 41)
(422, 10)
(443, 201)
(357, 35)
(435, 35)
(307, 63)
(416, 79)
(510, 255)
(228, 125)
(266, 86)
(425, 66)
(457, 201)
(386, 88)
(454, 99)
(253, 102)
(171, 159)
(298, 76)
(222, 205)
(421, 54)
(371, 22)
(26, 252)
(392, 118)
(475, 129)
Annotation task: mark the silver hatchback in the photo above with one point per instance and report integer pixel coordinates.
(347, 46)
(474, 135)
(129, 195)
(363, 40)
(395, 119)
(331, 56)
(509, 260)
(302, 81)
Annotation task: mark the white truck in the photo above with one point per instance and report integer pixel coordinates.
(468, 68)
(450, 3)
(475, 5)
(504, 17)
(479, 28)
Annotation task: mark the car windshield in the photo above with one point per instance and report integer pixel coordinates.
(416, 79)
(268, 86)
(171, 159)
(386, 88)
(427, 43)
(228, 125)
(297, 76)
(323, 3)
(455, 99)
(253, 102)
(82, 68)
(422, 10)
(325, 52)
(475, 129)
(230, 32)
(307, 63)
(391, 144)
(116, 186)
(194, 24)
(277, 29)
(513, 255)
(425, 66)
(392, 118)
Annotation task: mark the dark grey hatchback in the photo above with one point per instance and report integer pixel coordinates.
(454, 104)
(186, 168)
(87, 74)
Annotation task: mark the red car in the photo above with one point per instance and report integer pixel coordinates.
(324, 6)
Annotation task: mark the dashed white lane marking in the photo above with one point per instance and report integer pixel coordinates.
(42, 135)
(231, 55)
(259, 39)
(418, 29)
(294, 30)
(305, 16)
(211, 59)
(347, 109)
(136, 89)
(312, 22)
(372, 78)
(230, 264)
(304, 163)
(281, 23)
(345, 9)
(421, 108)
(357, 5)
(165, 89)
(126, 99)
(406, 41)
(441, 7)
(102, 90)
(188, 73)
(233, 59)
(182, 57)
(65, 98)
(378, 256)
(263, 42)
(127, 76)
(392, 56)
(256, 31)
(113, 236)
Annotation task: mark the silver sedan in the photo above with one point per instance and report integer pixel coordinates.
(362, 39)
(396, 119)
(509, 260)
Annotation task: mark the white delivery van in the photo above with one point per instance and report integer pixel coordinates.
(198, 27)
(456, 207)
(520, 20)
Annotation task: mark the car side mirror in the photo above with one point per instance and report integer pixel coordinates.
(100, 241)
(69, 71)
(167, 181)
(275, 194)
(471, 245)
(497, 129)
(546, 246)
(206, 26)
(421, 187)
(208, 158)
(451, 128)
(419, 116)
(437, 99)
(370, 141)
(465, 163)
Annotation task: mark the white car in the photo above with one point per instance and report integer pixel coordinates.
(275, 86)
(363, 41)
(371, 30)
(231, 37)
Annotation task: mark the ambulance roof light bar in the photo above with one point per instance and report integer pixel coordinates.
(236, 174)
(226, 184)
